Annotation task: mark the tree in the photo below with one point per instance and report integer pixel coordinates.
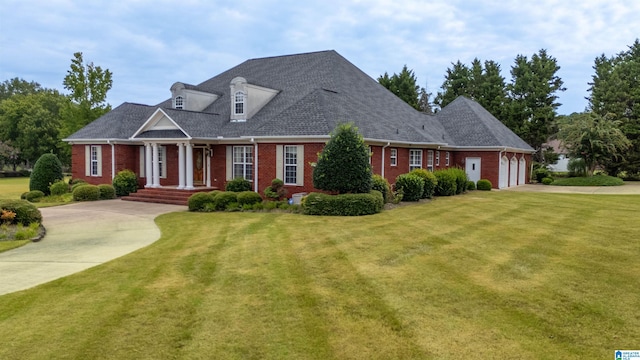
(343, 165)
(595, 139)
(88, 85)
(46, 171)
(533, 105)
(8, 155)
(403, 85)
(16, 86)
(457, 83)
(615, 92)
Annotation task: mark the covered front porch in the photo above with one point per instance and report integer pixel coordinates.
(193, 165)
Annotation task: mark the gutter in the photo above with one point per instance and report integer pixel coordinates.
(383, 156)
(113, 159)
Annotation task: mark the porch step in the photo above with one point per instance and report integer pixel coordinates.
(171, 196)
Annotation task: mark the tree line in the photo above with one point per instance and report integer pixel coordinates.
(606, 134)
(34, 120)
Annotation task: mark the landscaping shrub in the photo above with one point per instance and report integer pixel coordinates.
(541, 173)
(248, 198)
(46, 171)
(199, 201)
(430, 182)
(59, 188)
(77, 184)
(411, 187)
(484, 184)
(547, 181)
(381, 184)
(215, 193)
(461, 179)
(25, 212)
(125, 182)
(106, 192)
(276, 190)
(222, 200)
(34, 196)
(471, 185)
(238, 185)
(344, 204)
(577, 167)
(86, 192)
(447, 182)
(599, 180)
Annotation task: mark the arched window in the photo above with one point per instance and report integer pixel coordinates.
(179, 102)
(239, 103)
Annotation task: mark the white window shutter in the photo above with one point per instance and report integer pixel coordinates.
(300, 166)
(87, 160)
(99, 152)
(143, 167)
(280, 162)
(229, 174)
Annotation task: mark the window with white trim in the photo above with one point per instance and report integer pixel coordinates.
(415, 159)
(447, 158)
(370, 153)
(243, 162)
(437, 158)
(95, 161)
(239, 99)
(393, 157)
(179, 102)
(430, 160)
(291, 165)
(162, 160)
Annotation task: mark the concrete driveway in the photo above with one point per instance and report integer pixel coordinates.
(80, 236)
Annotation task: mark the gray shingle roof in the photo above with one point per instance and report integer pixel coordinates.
(316, 92)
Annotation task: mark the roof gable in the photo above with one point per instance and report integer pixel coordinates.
(161, 125)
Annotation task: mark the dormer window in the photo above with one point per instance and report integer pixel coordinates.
(239, 103)
(179, 102)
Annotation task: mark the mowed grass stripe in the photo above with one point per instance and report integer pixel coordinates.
(484, 275)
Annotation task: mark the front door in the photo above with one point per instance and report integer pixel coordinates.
(472, 167)
(198, 166)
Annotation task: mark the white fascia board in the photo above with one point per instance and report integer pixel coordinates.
(403, 143)
(492, 148)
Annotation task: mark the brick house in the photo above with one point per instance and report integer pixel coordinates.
(268, 118)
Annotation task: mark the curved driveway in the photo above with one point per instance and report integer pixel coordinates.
(80, 236)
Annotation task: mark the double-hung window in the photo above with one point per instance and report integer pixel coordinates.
(430, 160)
(393, 157)
(290, 164)
(95, 161)
(437, 158)
(239, 103)
(415, 159)
(243, 162)
(447, 158)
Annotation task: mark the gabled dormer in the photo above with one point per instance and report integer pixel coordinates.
(247, 99)
(188, 97)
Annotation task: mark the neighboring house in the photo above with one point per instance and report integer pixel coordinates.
(269, 118)
(563, 157)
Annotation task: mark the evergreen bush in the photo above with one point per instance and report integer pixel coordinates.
(26, 213)
(59, 188)
(461, 179)
(78, 183)
(86, 192)
(484, 184)
(430, 182)
(471, 185)
(34, 196)
(541, 173)
(344, 204)
(248, 198)
(46, 171)
(447, 182)
(106, 191)
(238, 185)
(222, 200)
(381, 184)
(200, 201)
(411, 186)
(276, 190)
(125, 182)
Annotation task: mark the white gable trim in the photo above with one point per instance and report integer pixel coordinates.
(159, 120)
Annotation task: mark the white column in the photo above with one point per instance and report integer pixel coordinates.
(148, 169)
(189, 167)
(156, 166)
(181, 167)
(207, 164)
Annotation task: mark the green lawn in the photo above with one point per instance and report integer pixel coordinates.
(483, 275)
(12, 188)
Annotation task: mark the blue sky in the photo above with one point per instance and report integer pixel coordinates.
(149, 45)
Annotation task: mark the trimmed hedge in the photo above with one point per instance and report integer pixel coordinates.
(33, 196)
(106, 191)
(46, 171)
(547, 181)
(344, 204)
(430, 182)
(238, 185)
(471, 185)
(26, 213)
(461, 179)
(381, 184)
(77, 184)
(200, 201)
(222, 200)
(125, 182)
(411, 186)
(59, 188)
(248, 198)
(484, 184)
(86, 193)
(447, 182)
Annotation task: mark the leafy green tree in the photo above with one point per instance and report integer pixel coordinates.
(615, 92)
(595, 139)
(343, 165)
(88, 85)
(533, 106)
(16, 86)
(8, 155)
(32, 123)
(403, 85)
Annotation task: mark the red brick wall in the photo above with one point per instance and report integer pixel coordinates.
(490, 164)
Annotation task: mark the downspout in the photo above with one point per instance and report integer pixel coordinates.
(383, 156)
(255, 160)
(113, 159)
